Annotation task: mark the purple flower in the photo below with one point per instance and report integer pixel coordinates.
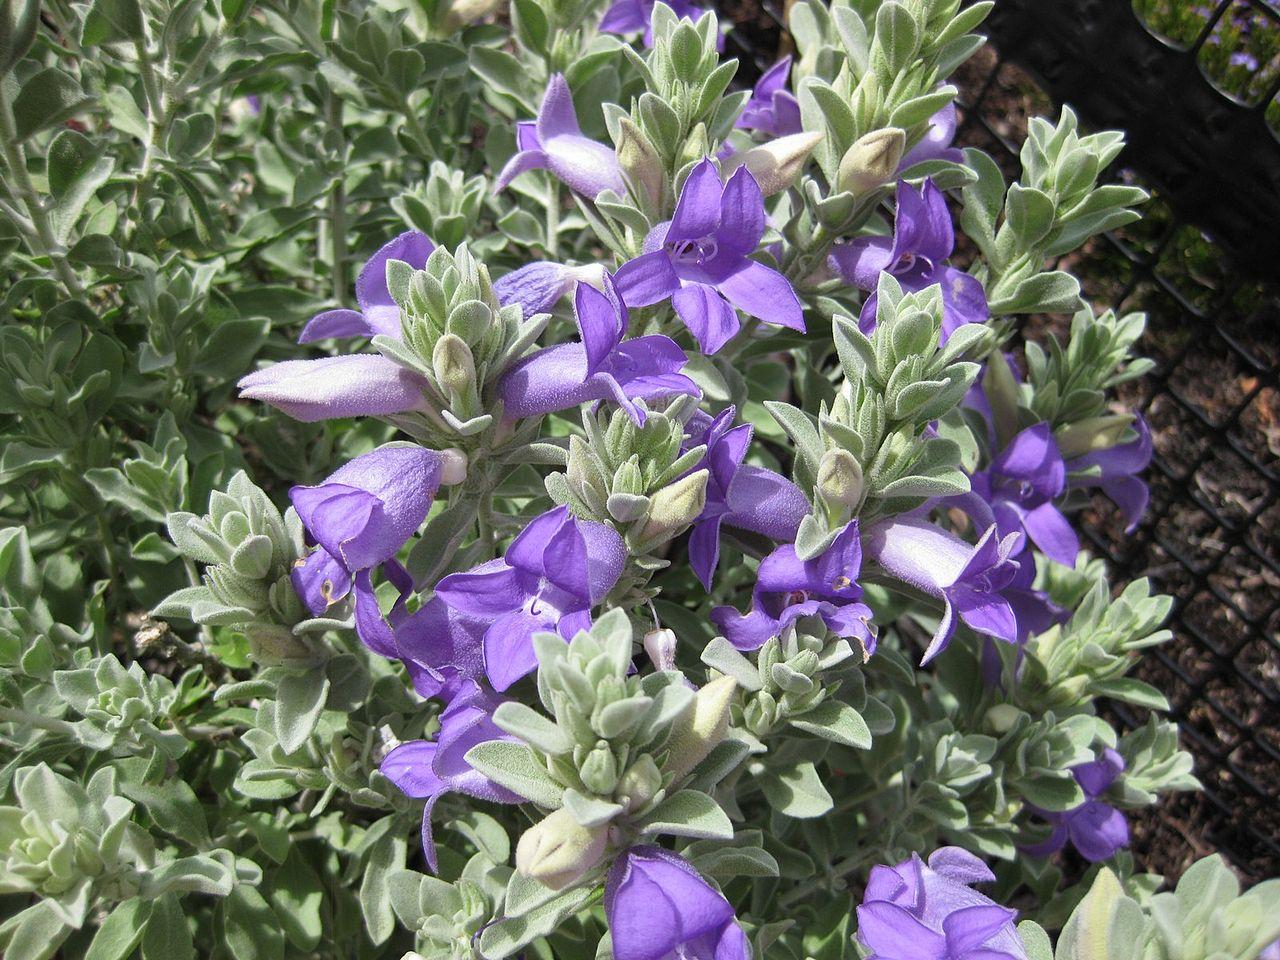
(553, 573)
(923, 237)
(430, 769)
(971, 581)
(701, 260)
(1020, 487)
(936, 144)
(635, 16)
(916, 911)
(1115, 472)
(441, 648)
(538, 286)
(555, 142)
(600, 367)
(659, 908)
(788, 588)
(1094, 828)
(359, 518)
(378, 313)
(1271, 953)
(358, 385)
(772, 109)
(738, 494)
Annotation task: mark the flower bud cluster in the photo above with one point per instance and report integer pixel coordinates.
(248, 550)
(634, 478)
(447, 206)
(458, 336)
(121, 708)
(616, 744)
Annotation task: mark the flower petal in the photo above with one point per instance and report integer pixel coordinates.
(331, 387)
(412, 246)
(707, 315)
(698, 210)
(335, 323)
(741, 214)
(764, 293)
(556, 115)
(647, 279)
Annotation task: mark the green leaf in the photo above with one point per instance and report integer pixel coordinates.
(249, 926)
(386, 858)
(168, 936)
(232, 347)
(1130, 690)
(121, 931)
(1052, 793)
(797, 792)
(836, 721)
(300, 699)
(296, 894)
(514, 766)
(174, 807)
(689, 813)
(46, 100)
(37, 933)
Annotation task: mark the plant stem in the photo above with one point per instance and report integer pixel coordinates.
(553, 216)
(13, 715)
(338, 212)
(16, 160)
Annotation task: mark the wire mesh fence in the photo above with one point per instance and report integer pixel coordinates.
(1202, 265)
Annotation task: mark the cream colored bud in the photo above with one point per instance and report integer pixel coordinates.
(454, 366)
(462, 12)
(641, 163)
(558, 850)
(777, 164)
(840, 478)
(1002, 717)
(697, 732)
(660, 645)
(871, 161)
(1095, 433)
(453, 467)
(674, 507)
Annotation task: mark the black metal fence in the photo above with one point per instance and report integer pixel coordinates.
(1204, 265)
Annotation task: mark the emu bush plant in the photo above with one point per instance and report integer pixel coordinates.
(477, 484)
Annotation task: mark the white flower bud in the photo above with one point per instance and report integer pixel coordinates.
(697, 732)
(777, 164)
(871, 161)
(558, 850)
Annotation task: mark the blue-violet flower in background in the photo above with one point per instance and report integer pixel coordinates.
(772, 109)
(1094, 828)
(788, 588)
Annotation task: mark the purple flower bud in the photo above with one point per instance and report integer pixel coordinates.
(788, 588)
(936, 143)
(1094, 828)
(538, 286)
(915, 910)
(1115, 472)
(555, 142)
(429, 770)
(352, 386)
(700, 259)
(553, 573)
(658, 908)
(378, 313)
(600, 367)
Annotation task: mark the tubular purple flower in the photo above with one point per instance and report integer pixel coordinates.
(553, 573)
(740, 495)
(700, 259)
(1094, 828)
(915, 911)
(659, 908)
(428, 770)
(538, 286)
(1115, 472)
(359, 385)
(923, 237)
(378, 313)
(1020, 486)
(600, 367)
(788, 588)
(969, 580)
(773, 109)
(936, 144)
(555, 142)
